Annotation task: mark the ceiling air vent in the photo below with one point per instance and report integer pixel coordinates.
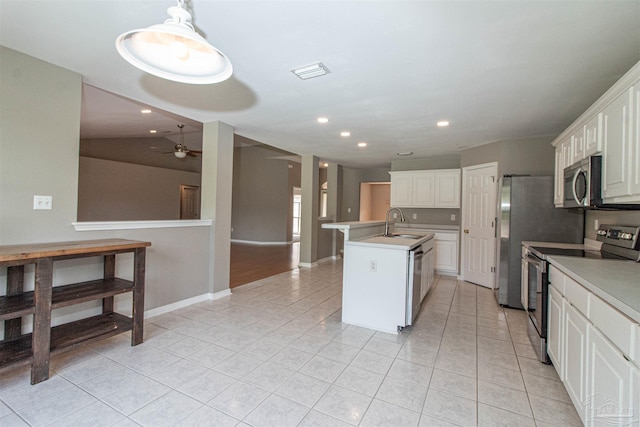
(309, 71)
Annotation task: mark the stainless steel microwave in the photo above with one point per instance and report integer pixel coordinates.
(581, 181)
(583, 186)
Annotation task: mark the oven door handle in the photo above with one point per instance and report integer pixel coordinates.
(539, 264)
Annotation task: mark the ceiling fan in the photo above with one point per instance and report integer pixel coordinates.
(180, 150)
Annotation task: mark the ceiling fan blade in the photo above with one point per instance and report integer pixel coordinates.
(191, 153)
(195, 151)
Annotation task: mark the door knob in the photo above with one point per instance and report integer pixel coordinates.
(466, 231)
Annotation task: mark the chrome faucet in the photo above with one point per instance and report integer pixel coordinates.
(386, 223)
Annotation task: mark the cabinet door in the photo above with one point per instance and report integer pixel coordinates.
(635, 145)
(578, 145)
(423, 189)
(401, 189)
(575, 357)
(593, 136)
(616, 141)
(554, 330)
(447, 193)
(609, 382)
(558, 192)
(567, 149)
(446, 255)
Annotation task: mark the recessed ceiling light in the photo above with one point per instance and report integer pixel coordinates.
(309, 71)
(326, 165)
(145, 111)
(362, 144)
(153, 131)
(405, 153)
(345, 133)
(322, 120)
(442, 123)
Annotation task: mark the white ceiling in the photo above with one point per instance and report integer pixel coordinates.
(498, 70)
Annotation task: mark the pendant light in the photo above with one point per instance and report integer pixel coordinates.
(175, 51)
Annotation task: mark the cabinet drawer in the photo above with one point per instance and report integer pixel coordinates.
(452, 237)
(577, 295)
(556, 277)
(613, 324)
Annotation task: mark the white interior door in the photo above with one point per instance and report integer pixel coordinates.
(189, 202)
(479, 190)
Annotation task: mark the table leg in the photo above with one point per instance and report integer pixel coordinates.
(41, 337)
(15, 286)
(109, 273)
(138, 295)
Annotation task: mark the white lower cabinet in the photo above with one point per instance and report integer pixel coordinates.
(554, 330)
(447, 253)
(602, 382)
(610, 381)
(575, 357)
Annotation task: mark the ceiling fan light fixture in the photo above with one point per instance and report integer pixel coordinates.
(180, 154)
(174, 51)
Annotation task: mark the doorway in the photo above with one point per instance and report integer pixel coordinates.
(375, 200)
(479, 190)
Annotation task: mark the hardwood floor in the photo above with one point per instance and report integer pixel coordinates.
(254, 262)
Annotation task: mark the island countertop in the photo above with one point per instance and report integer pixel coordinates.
(398, 242)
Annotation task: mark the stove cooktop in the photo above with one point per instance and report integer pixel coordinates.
(580, 253)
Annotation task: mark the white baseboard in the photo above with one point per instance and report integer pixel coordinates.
(185, 303)
(307, 264)
(251, 242)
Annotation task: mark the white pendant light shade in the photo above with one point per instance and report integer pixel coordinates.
(174, 51)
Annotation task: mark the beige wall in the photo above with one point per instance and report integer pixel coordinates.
(116, 191)
(527, 156)
(39, 143)
(262, 195)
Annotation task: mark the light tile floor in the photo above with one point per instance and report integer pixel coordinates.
(276, 354)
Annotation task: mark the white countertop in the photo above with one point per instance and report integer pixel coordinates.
(616, 282)
(400, 226)
(400, 243)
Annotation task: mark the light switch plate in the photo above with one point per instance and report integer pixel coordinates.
(42, 202)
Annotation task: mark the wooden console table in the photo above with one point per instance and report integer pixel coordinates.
(44, 340)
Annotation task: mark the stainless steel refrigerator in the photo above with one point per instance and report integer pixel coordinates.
(526, 212)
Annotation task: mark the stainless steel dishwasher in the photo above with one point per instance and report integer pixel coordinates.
(415, 283)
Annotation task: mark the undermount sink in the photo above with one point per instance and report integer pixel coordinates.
(403, 236)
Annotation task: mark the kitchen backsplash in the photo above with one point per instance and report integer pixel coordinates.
(608, 217)
(432, 216)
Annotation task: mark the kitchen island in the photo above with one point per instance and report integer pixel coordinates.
(385, 280)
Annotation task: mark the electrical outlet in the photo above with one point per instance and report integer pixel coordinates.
(348, 210)
(596, 224)
(42, 202)
(373, 266)
(395, 215)
(453, 217)
(415, 216)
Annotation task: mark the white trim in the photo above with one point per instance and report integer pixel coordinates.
(136, 225)
(327, 259)
(307, 264)
(185, 303)
(251, 242)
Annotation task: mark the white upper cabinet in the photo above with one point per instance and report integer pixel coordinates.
(558, 192)
(423, 189)
(426, 189)
(593, 136)
(616, 144)
(611, 127)
(577, 147)
(401, 189)
(448, 189)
